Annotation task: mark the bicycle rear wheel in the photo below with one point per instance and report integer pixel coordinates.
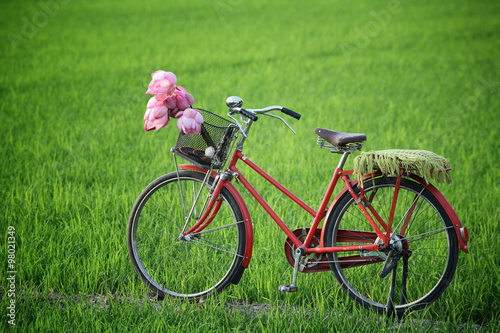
(422, 230)
(190, 267)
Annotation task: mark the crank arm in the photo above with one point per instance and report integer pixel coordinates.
(299, 253)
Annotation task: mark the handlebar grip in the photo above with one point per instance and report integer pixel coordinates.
(249, 114)
(291, 113)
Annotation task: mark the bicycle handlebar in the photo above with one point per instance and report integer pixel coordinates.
(249, 114)
(291, 113)
(252, 113)
(234, 103)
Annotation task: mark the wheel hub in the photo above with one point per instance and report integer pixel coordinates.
(186, 238)
(397, 243)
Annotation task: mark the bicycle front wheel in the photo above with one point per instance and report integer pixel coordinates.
(423, 233)
(185, 266)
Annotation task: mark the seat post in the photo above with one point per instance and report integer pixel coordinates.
(343, 159)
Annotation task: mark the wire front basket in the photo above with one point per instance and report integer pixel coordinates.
(216, 132)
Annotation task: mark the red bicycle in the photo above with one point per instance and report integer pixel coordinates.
(391, 241)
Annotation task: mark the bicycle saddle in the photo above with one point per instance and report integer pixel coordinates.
(339, 138)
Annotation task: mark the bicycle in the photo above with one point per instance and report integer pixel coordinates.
(190, 232)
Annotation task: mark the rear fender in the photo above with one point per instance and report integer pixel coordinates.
(244, 211)
(460, 231)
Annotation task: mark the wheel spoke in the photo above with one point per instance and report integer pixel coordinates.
(216, 246)
(424, 237)
(408, 214)
(426, 234)
(164, 214)
(187, 266)
(218, 228)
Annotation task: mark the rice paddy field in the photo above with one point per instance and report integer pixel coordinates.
(74, 155)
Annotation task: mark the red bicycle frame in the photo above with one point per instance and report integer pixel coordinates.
(383, 232)
(317, 215)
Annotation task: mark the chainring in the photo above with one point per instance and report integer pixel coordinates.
(316, 262)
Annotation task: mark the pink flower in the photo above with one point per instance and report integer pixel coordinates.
(170, 101)
(180, 100)
(162, 84)
(156, 115)
(190, 121)
(184, 99)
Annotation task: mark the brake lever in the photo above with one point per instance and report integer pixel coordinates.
(238, 124)
(275, 116)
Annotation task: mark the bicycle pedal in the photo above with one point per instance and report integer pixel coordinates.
(288, 288)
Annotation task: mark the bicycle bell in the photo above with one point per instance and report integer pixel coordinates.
(234, 102)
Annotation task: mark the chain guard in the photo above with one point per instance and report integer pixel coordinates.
(315, 262)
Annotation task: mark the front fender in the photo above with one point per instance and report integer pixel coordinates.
(243, 207)
(460, 231)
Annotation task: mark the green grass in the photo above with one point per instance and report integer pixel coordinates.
(74, 155)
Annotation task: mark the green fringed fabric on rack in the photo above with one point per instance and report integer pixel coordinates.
(426, 164)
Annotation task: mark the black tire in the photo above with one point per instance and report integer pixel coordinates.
(430, 242)
(190, 268)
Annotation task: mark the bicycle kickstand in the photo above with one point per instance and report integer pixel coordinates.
(390, 301)
(299, 253)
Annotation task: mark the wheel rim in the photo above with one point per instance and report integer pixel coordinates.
(426, 240)
(189, 267)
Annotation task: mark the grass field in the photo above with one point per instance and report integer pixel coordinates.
(74, 154)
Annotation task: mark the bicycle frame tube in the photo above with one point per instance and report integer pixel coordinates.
(318, 215)
(238, 155)
(382, 232)
(360, 202)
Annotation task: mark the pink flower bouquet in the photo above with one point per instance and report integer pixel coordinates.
(170, 101)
